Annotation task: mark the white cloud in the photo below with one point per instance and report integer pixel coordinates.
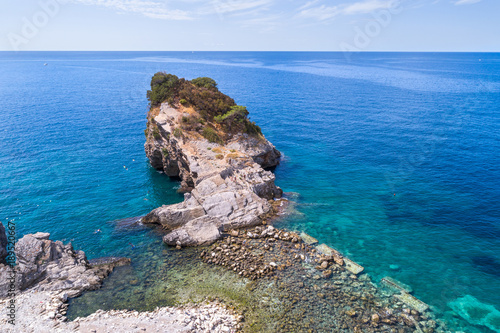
(323, 12)
(158, 8)
(466, 2)
(147, 8)
(262, 24)
(368, 6)
(231, 6)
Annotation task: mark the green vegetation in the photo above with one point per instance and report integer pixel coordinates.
(162, 87)
(252, 128)
(165, 152)
(177, 132)
(156, 133)
(211, 135)
(205, 82)
(216, 110)
(219, 156)
(237, 112)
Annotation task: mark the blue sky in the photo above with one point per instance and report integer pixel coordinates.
(240, 25)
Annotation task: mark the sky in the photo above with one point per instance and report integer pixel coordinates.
(250, 25)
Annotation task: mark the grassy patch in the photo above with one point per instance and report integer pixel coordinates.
(177, 132)
(211, 135)
(156, 133)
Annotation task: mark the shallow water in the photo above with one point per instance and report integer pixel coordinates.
(395, 156)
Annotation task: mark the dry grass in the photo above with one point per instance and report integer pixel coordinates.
(233, 155)
(217, 150)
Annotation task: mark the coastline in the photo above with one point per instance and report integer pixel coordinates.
(299, 282)
(186, 157)
(294, 275)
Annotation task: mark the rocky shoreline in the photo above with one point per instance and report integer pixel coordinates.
(317, 279)
(43, 312)
(49, 273)
(51, 266)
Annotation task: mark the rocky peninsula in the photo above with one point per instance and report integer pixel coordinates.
(200, 135)
(46, 273)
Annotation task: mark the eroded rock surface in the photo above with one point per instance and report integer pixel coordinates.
(45, 265)
(227, 186)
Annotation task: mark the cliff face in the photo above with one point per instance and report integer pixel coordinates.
(226, 184)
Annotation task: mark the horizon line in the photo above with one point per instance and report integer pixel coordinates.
(290, 51)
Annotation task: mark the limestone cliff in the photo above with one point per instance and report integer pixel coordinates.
(222, 171)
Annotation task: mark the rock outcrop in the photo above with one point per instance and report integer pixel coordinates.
(45, 265)
(227, 185)
(3, 244)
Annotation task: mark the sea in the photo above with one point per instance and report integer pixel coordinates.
(391, 158)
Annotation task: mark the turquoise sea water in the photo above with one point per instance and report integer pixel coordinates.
(395, 156)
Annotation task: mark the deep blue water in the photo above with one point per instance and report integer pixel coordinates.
(396, 156)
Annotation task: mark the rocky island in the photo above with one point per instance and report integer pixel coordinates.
(200, 135)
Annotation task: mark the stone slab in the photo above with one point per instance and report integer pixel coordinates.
(352, 267)
(308, 239)
(412, 302)
(325, 249)
(397, 285)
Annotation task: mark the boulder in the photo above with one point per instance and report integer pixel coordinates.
(201, 231)
(174, 216)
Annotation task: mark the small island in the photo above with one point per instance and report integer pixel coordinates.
(202, 136)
